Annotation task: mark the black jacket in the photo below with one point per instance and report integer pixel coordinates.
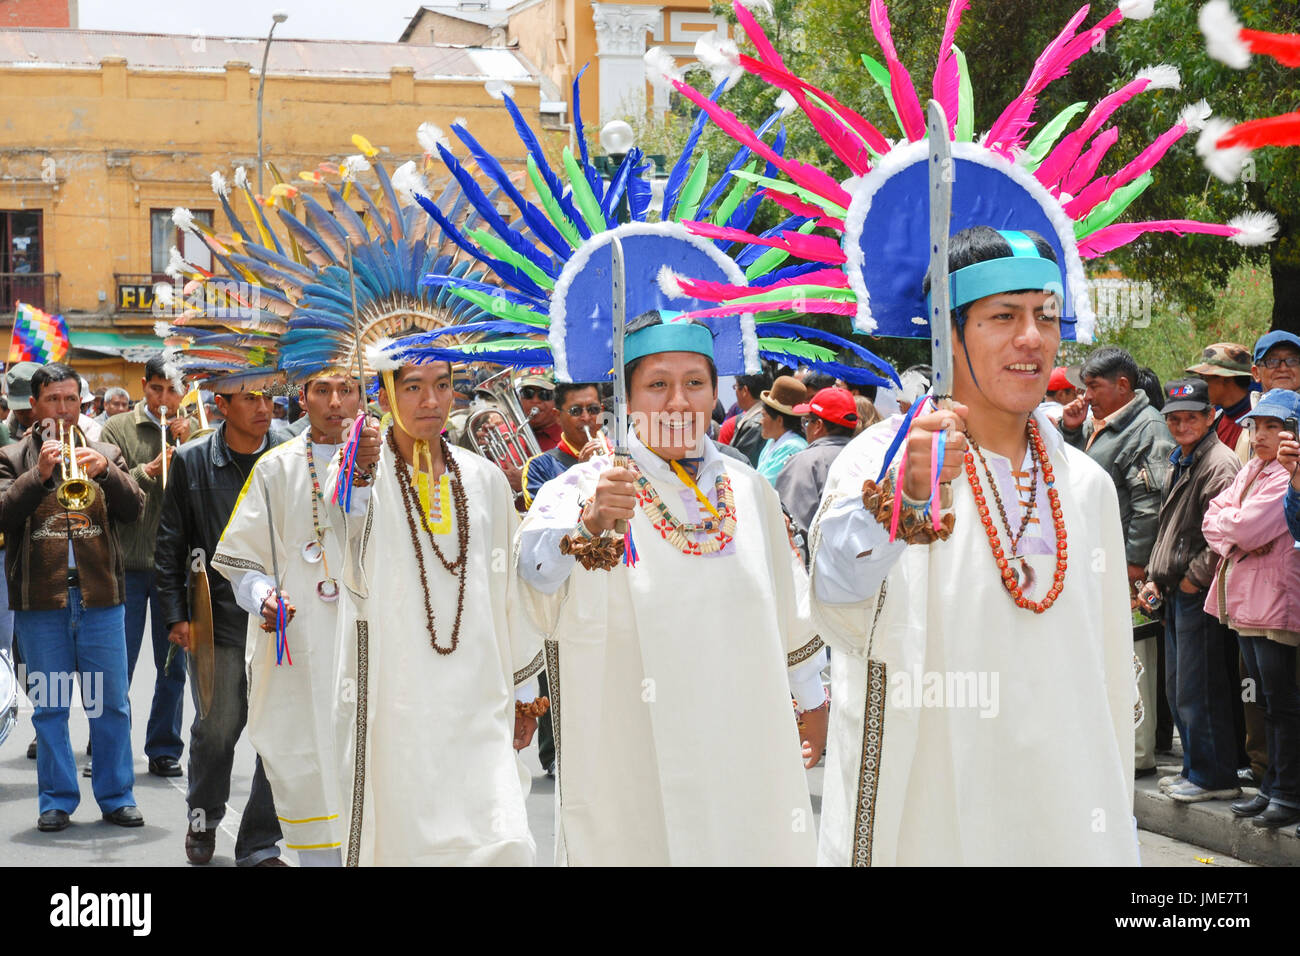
(203, 485)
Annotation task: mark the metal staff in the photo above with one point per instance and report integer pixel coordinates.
(162, 425)
(275, 571)
(618, 283)
(942, 172)
(356, 329)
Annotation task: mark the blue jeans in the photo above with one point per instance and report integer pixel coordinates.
(212, 755)
(1272, 667)
(6, 615)
(1200, 691)
(89, 643)
(163, 733)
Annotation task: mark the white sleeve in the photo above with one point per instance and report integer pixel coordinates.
(854, 555)
(360, 500)
(806, 682)
(540, 562)
(526, 693)
(251, 589)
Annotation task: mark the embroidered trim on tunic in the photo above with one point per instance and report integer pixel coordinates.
(359, 769)
(232, 562)
(526, 672)
(795, 658)
(873, 734)
(552, 651)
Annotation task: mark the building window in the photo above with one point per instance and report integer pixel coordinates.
(21, 259)
(163, 234)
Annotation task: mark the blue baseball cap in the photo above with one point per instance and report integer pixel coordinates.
(1281, 403)
(1270, 339)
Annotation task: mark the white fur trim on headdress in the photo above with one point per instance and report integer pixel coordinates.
(380, 357)
(670, 283)
(1224, 163)
(1195, 115)
(661, 69)
(1257, 228)
(1222, 32)
(241, 177)
(219, 185)
(720, 56)
(183, 218)
(430, 136)
(1162, 77)
(1137, 9)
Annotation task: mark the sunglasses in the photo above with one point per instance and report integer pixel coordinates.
(529, 392)
(576, 410)
(1290, 361)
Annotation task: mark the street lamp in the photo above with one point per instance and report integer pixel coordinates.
(278, 17)
(617, 139)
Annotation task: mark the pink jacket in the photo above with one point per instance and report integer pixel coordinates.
(1263, 589)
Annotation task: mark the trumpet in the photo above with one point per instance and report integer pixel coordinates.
(162, 426)
(193, 396)
(76, 492)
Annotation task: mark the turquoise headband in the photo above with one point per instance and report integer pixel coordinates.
(669, 337)
(1025, 268)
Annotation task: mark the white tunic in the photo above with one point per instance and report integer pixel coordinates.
(966, 730)
(290, 707)
(430, 774)
(675, 740)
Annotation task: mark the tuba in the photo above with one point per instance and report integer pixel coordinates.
(506, 443)
(76, 492)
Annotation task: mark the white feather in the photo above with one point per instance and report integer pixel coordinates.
(183, 218)
(219, 185)
(461, 122)
(349, 168)
(164, 295)
(755, 6)
(1137, 9)
(241, 177)
(1257, 228)
(719, 54)
(1222, 32)
(176, 265)
(670, 283)
(1224, 163)
(407, 182)
(1162, 77)
(786, 102)
(162, 329)
(661, 69)
(430, 136)
(378, 357)
(499, 89)
(1195, 115)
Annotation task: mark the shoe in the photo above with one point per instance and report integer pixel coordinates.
(1250, 806)
(127, 816)
(1191, 793)
(165, 767)
(200, 846)
(52, 821)
(31, 750)
(272, 861)
(1247, 777)
(1144, 772)
(87, 748)
(85, 771)
(1174, 780)
(1276, 815)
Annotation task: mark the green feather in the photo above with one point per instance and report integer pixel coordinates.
(1042, 144)
(500, 345)
(1113, 207)
(965, 131)
(804, 350)
(773, 257)
(583, 197)
(558, 218)
(498, 247)
(694, 189)
(733, 200)
(839, 212)
(880, 73)
(501, 308)
(785, 292)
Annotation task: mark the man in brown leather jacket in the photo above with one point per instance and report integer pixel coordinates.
(65, 571)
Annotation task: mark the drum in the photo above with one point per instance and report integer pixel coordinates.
(8, 697)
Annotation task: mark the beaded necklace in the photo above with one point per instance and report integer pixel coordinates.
(1039, 453)
(328, 588)
(458, 567)
(720, 530)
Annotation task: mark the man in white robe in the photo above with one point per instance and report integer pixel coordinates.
(291, 703)
(670, 681)
(967, 730)
(428, 738)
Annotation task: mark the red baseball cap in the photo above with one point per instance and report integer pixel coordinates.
(1059, 381)
(835, 405)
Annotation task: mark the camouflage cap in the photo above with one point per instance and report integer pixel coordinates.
(1223, 358)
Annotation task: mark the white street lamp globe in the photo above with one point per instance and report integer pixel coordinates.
(617, 137)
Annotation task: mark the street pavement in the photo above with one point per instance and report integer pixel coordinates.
(89, 841)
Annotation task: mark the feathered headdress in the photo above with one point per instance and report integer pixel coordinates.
(1003, 179)
(554, 261)
(1224, 145)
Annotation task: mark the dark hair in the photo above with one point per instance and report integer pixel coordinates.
(791, 423)
(49, 375)
(1149, 382)
(157, 367)
(982, 243)
(814, 382)
(835, 428)
(1111, 363)
(644, 321)
(564, 389)
(756, 385)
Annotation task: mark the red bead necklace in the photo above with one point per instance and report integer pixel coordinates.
(1009, 581)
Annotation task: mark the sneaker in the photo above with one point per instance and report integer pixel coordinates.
(86, 771)
(1168, 783)
(31, 750)
(1191, 793)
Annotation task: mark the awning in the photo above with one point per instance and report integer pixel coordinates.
(133, 348)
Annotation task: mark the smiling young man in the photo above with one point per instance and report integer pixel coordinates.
(670, 680)
(438, 666)
(291, 707)
(984, 696)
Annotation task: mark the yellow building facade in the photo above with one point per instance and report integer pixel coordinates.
(105, 133)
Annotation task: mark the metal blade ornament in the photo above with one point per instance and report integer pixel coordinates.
(941, 173)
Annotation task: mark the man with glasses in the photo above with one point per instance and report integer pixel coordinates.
(578, 410)
(537, 399)
(1277, 361)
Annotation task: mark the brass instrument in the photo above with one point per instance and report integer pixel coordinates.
(162, 426)
(193, 396)
(509, 443)
(76, 492)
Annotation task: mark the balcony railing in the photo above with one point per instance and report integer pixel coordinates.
(40, 289)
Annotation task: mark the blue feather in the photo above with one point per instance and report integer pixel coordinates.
(580, 131)
(640, 193)
(682, 168)
(553, 182)
(789, 272)
(792, 330)
(532, 302)
(508, 273)
(618, 186)
(750, 253)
